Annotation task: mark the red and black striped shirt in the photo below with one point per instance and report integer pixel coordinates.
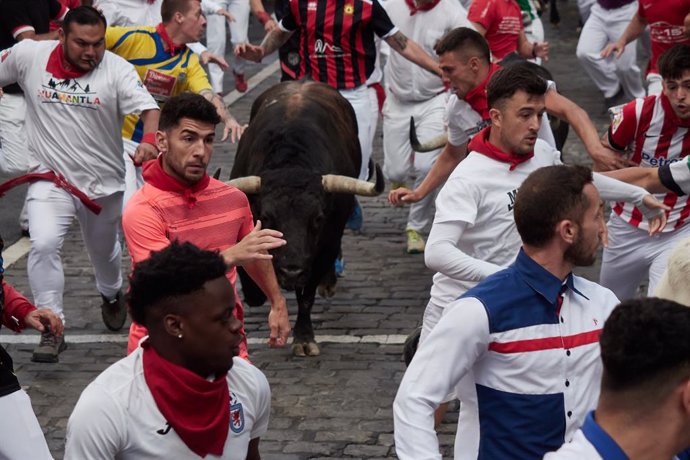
(337, 38)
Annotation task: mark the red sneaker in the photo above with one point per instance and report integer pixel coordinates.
(240, 82)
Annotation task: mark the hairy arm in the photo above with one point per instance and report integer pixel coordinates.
(231, 125)
(634, 30)
(446, 162)
(647, 178)
(411, 51)
(261, 271)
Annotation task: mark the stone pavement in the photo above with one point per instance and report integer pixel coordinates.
(337, 405)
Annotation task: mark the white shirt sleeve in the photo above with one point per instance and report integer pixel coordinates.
(12, 65)
(450, 351)
(611, 189)
(210, 7)
(197, 48)
(132, 96)
(443, 255)
(263, 408)
(457, 201)
(97, 427)
(457, 135)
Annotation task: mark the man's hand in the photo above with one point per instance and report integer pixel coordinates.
(144, 152)
(606, 159)
(227, 14)
(234, 129)
(39, 319)
(403, 195)
(655, 212)
(616, 47)
(207, 57)
(279, 323)
(541, 50)
(254, 246)
(249, 52)
(270, 25)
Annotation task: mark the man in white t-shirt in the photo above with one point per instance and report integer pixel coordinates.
(413, 92)
(184, 393)
(77, 95)
(644, 405)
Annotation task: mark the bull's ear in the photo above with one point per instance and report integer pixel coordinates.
(216, 175)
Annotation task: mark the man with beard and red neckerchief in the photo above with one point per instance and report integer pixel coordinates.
(179, 201)
(20, 434)
(76, 95)
(185, 393)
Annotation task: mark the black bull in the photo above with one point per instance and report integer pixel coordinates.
(298, 162)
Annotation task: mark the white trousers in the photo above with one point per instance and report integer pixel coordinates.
(654, 84)
(360, 99)
(21, 436)
(216, 38)
(632, 254)
(51, 212)
(584, 7)
(134, 178)
(400, 162)
(604, 27)
(14, 148)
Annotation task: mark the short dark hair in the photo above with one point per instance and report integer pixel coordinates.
(507, 81)
(645, 347)
(674, 62)
(464, 39)
(170, 7)
(177, 270)
(548, 196)
(84, 16)
(187, 105)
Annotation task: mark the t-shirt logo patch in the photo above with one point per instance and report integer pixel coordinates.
(4, 54)
(160, 85)
(617, 119)
(236, 414)
(68, 92)
(349, 9)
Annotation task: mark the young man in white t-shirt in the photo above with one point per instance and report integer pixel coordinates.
(184, 393)
(77, 95)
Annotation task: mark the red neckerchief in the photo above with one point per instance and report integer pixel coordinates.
(476, 97)
(668, 111)
(197, 409)
(414, 8)
(56, 66)
(480, 144)
(173, 49)
(155, 175)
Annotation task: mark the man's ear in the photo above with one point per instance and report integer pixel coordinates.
(178, 17)
(61, 36)
(162, 141)
(174, 325)
(496, 117)
(567, 229)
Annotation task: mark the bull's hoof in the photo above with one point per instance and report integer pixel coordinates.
(326, 290)
(304, 349)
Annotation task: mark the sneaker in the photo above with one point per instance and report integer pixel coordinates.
(396, 185)
(240, 82)
(354, 222)
(49, 348)
(339, 266)
(114, 312)
(415, 242)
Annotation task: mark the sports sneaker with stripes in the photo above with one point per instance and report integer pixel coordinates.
(49, 348)
(415, 242)
(114, 312)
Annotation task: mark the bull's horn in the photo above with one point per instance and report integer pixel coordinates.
(432, 144)
(248, 184)
(344, 184)
(216, 175)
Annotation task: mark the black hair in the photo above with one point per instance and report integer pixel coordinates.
(548, 196)
(507, 81)
(466, 40)
(170, 7)
(187, 105)
(84, 16)
(177, 270)
(645, 343)
(674, 62)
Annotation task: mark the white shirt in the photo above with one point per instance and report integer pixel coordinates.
(406, 80)
(536, 369)
(117, 417)
(74, 125)
(479, 195)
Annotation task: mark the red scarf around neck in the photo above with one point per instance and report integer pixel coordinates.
(155, 175)
(56, 65)
(197, 409)
(480, 144)
(414, 8)
(476, 97)
(172, 47)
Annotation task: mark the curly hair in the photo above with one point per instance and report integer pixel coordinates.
(177, 270)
